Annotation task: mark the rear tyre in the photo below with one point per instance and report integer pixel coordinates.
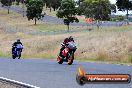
(70, 60)
(59, 60)
(13, 56)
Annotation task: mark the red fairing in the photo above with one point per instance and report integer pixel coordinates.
(65, 51)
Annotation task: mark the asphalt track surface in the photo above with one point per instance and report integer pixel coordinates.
(50, 74)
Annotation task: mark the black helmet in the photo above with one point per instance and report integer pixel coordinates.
(66, 38)
(18, 40)
(71, 38)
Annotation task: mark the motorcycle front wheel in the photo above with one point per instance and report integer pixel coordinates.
(59, 60)
(70, 59)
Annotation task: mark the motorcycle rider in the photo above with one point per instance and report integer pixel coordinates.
(14, 45)
(65, 43)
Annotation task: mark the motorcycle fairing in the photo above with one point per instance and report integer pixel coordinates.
(65, 51)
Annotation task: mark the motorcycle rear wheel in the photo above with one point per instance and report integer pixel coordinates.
(13, 56)
(59, 60)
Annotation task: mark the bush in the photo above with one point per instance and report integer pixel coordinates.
(117, 18)
(130, 59)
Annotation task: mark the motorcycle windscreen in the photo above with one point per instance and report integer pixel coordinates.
(65, 51)
(71, 45)
(19, 46)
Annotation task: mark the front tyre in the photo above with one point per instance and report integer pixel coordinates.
(59, 60)
(19, 56)
(70, 59)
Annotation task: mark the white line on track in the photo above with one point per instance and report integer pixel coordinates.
(17, 82)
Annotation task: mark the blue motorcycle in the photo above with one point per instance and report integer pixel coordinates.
(16, 53)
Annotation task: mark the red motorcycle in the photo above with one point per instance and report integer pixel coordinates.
(67, 55)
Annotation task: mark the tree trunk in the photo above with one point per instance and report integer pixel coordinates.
(46, 7)
(79, 2)
(127, 14)
(127, 17)
(98, 24)
(8, 9)
(68, 28)
(54, 8)
(50, 7)
(35, 20)
(23, 13)
(98, 27)
(23, 7)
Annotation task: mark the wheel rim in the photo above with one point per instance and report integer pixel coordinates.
(70, 59)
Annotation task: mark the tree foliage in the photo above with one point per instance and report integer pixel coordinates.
(53, 3)
(97, 9)
(68, 12)
(117, 18)
(113, 8)
(6, 3)
(79, 2)
(34, 9)
(56, 4)
(27, 1)
(124, 5)
(18, 1)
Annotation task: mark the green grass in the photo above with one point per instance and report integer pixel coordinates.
(102, 61)
(50, 27)
(113, 29)
(5, 55)
(130, 58)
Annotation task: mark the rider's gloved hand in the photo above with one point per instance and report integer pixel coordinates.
(13, 46)
(62, 44)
